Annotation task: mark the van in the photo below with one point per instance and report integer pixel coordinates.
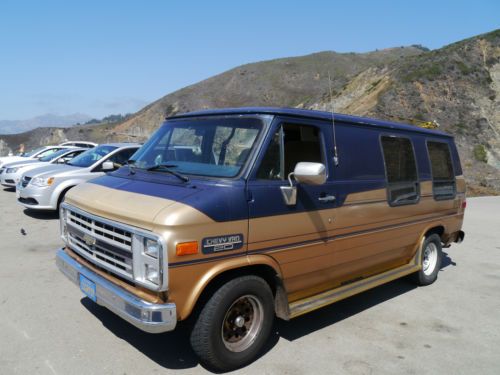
(232, 217)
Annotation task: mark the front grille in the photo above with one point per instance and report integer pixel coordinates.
(9, 181)
(25, 181)
(101, 242)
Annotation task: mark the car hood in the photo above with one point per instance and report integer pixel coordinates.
(52, 170)
(12, 159)
(21, 163)
(117, 199)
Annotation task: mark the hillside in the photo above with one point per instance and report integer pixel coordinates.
(458, 86)
(18, 126)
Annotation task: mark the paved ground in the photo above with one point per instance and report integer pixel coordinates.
(450, 327)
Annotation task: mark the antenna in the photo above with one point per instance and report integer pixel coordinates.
(335, 155)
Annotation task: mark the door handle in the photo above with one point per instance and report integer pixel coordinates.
(327, 198)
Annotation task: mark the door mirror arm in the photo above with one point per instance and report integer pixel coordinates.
(289, 192)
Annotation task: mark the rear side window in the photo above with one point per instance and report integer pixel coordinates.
(443, 177)
(401, 171)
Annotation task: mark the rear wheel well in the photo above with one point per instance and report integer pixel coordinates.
(267, 273)
(439, 230)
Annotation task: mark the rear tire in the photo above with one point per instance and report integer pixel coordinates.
(234, 324)
(431, 256)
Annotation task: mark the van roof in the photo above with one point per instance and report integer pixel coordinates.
(311, 114)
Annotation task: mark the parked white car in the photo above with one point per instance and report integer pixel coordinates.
(34, 154)
(83, 144)
(10, 174)
(44, 188)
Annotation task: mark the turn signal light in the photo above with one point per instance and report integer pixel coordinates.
(186, 248)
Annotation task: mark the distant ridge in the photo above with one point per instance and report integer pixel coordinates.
(457, 85)
(20, 126)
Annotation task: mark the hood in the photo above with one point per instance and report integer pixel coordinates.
(22, 163)
(51, 170)
(123, 200)
(12, 159)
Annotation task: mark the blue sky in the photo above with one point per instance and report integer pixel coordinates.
(103, 57)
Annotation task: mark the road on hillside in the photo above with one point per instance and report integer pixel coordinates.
(450, 327)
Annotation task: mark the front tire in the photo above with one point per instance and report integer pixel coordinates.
(431, 256)
(234, 324)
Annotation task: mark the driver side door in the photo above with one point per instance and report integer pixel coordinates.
(296, 236)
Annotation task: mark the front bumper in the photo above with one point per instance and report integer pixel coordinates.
(149, 317)
(36, 197)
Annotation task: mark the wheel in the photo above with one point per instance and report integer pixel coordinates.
(431, 257)
(234, 324)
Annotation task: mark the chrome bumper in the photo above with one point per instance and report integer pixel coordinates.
(149, 317)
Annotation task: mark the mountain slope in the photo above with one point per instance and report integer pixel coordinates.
(458, 86)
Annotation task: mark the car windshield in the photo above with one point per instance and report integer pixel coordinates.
(32, 152)
(207, 147)
(87, 158)
(54, 155)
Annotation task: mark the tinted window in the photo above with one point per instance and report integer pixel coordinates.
(121, 157)
(53, 155)
(443, 177)
(401, 170)
(89, 157)
(290, 145)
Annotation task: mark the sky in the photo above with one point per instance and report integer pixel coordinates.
(109, 57)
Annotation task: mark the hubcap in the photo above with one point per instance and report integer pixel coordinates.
(430, 257)
(242, 323)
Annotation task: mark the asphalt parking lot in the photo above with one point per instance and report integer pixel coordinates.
(450, 327)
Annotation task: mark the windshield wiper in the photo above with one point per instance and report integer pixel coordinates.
(166, 168)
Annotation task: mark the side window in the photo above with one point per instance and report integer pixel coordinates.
(443, 178)
(290, 145)
(401, 171)
(121, 157)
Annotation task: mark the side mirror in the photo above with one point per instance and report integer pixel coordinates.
(61, 161)
(107, 166)
(305, 173)
(310, 173)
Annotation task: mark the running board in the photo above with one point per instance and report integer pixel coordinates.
(317, 301)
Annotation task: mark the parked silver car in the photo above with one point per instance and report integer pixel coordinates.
(44, 188)
(10, 174)
(33, 154)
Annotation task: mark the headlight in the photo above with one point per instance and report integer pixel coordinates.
(42, 182)
(11, 170)
(151, 247)
(148, 267)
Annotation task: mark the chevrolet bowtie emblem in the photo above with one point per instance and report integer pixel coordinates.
(89, 240)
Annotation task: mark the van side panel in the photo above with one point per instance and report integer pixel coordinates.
(361, 235)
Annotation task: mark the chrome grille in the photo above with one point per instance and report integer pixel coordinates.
(102, 243)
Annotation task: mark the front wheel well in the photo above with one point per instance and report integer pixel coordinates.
(62, 195)
(266, 272)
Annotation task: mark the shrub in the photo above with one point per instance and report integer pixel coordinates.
(480, 153)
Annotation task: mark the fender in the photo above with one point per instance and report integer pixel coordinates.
(188, 283)
(61, 187)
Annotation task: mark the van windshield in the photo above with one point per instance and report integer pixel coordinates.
(87, 158)
(216, 147)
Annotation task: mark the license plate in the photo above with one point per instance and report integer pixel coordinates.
(88, 287)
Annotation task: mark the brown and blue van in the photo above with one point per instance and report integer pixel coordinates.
(233, 217)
